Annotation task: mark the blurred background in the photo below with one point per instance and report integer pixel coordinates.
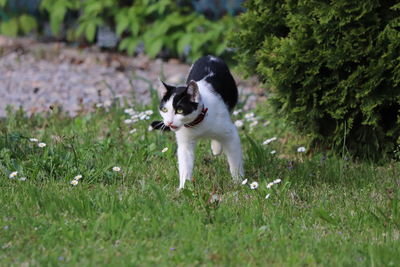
(78, 54)
(186, 29)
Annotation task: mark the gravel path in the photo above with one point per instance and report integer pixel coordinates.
(36, 76)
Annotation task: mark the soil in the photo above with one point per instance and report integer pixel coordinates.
(37, 76)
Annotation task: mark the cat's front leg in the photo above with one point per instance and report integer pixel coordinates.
(185, 161)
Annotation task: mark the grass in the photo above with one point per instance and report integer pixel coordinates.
(326, 211)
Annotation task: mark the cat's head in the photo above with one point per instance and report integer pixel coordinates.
(180, 104)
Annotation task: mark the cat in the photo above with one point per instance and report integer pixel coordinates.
(201, 109)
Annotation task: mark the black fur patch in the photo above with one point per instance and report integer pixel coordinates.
(159, 125)
(218, 75)
(181, 100)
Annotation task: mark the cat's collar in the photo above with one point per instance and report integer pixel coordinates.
(199, 118)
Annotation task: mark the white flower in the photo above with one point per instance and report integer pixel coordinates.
(78, 177)
(244, 182)
(150, 128)
(269, 185)
(74, 182)
(239, 123)
(277, 181)
(132, 131)
(33, 140)
(13, 175)
(22, 179)
(266, 142)
(236, 112)
(116, 169)
(41, 145)
(301, 149)
(144, 117)
(249, 116)
(165, 149)
(273, 152)
(254, 185)
(267, 196)
(254, 123)
(149, 112)
(266, 123)
(99, 105)
(128, 121)
(129, 111)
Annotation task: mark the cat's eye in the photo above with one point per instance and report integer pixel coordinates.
(164, 109)
(179, 111)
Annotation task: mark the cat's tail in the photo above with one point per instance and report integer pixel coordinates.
(159, 125)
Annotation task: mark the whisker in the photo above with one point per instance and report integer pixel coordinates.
(158, 124)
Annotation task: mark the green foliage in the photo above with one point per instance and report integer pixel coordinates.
(57, 9)
(159, 25)
(20, 24)
(333, 69)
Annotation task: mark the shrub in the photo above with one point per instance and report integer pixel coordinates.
(158, 25)
(332, 67)
(16, 23)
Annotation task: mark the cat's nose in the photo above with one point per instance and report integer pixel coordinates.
(169, 123)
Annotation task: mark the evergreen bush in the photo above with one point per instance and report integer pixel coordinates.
(332, 67)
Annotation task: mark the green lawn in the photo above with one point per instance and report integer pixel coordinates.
(326, 211)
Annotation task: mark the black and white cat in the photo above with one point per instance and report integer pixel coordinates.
(201, 109)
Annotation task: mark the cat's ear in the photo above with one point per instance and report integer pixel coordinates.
(193, 91)
(164, 88)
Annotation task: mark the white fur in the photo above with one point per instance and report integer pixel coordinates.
(217, 125)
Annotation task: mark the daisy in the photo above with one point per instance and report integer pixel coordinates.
(129, 111)
(74, 182)
(254, 185)
(269, 140)
(239, 123)
(132, 131)
(13, 175)
(249, 116)
(277, 181)
(33, 140)
(273, 152)
(150, 128)
(148, 112)
(22, 179)
(267, 196)
(236, 112)
(269, 185)
(42, 145)
(244, 182)
(116, 169)
(301, 149)
(78, 177)
(254, 123)
(164, 150)
(128, 121)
